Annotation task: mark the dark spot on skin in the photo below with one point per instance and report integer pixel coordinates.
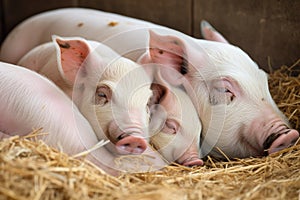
(262, 99)
(80, 24)
(65, 45)
(112, 24)
(160, 51)
(184, 67)
(81, 87)
(176, 42)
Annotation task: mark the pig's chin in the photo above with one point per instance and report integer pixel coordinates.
(249, 148)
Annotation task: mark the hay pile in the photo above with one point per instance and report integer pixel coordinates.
(32, 170)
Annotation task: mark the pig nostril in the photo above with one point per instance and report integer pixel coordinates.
(131, 145)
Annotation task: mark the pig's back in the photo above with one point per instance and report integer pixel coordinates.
(87, 23)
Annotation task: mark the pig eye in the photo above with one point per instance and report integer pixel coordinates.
(170, 127)
(102, 95)
(222, 90)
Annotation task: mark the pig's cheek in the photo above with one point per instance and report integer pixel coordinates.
(164, 144)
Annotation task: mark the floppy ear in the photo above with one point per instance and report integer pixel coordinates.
(170, 52)
(209, 33)
(158, 112)
(71, 54)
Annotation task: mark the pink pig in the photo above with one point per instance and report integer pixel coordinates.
(100, 83)
(232, 92)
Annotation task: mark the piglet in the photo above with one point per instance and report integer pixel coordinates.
(110, 91)
(178, 138)
(29, 101)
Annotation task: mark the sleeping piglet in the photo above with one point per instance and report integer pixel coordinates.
(178, 138)
(29, 101)
(110, 91)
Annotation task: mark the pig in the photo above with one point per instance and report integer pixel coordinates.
(44, 60)
(29, 100)
(110, 91)
(232, 92)
(179, 138)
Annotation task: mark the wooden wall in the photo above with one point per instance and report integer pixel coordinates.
(265, 29)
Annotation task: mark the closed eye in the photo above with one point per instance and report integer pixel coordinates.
(102, 95)
(222, 90)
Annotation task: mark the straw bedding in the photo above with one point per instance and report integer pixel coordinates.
(33, 170)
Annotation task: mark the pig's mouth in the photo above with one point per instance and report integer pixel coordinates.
(278, 141)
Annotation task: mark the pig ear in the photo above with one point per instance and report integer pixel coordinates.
(209, 33)
(157, 111)
(71, 54)
(168, 50)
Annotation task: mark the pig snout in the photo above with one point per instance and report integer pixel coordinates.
(190, 157)
(130, 144)
(280, 140)
(127, 140)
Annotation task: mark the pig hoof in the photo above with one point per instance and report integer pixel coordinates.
(193, 162)
(283, 141)
(131, 145)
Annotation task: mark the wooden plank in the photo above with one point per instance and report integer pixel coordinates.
(263, 28)
(174, 14)
(16, 11)
(1, 22)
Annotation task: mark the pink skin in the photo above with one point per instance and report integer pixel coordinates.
(243, 102)
(129, 141)
(279, 135)
(178, 138)
(230, 92)
(68, 65)
(29, 101)
(209, 33)
(126, 139)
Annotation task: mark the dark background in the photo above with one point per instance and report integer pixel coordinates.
(268, 30)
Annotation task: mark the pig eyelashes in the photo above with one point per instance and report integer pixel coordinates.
(220, 96)
(170, 127)
(223, 91)
(102, 95)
